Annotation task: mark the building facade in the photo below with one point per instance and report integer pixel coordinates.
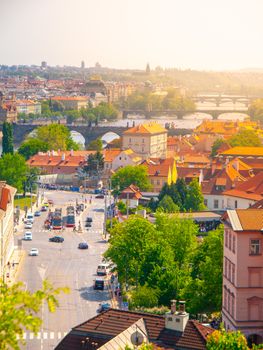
(28, 107)
(243, 273)
(69, 102)
(148, 140)
(8, 110)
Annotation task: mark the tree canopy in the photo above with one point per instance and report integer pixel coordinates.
(19, 311)
(95, 145)
(14, 170)
(56, 136)
(30, 147)
(136, 175)
(245, 138)
(7, 140)
(256, 109)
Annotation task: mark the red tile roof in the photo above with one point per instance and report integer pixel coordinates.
(109, 324)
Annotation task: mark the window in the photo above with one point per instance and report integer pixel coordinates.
(255, 247)
(234, 244)
(229, 270)
(158, 182)
(142, 140)
(226, 237)
(225, 267)
(230, 241)
(233, 273)
(216, 203)
(235, 204)
(225, 297)
(205, 202)
(130, 140)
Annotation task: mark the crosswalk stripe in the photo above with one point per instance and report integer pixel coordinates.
(24, 336)
(31, 335)
(44, 335)
(38, 335)
(59, 335)
(51, 335)
(65, 333)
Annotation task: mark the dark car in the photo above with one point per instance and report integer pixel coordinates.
(37, 213)
(89, 219)
(56, 239)
(83, 245)
(88, 224)
(100, 196)
(44, 208)
(99, 283)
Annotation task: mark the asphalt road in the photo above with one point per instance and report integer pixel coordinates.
(64, 264)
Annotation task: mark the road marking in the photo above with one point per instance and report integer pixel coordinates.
(45, 335)
(24, 336)
(59, 335)
(31, 335)
(51, 335)
(38, 335)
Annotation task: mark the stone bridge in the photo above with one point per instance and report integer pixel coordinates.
(21, 131)
(180, 114)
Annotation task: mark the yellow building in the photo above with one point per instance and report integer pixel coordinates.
(28, 107)
(71, 102)
(148, 140)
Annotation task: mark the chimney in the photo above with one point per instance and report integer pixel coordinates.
(176, 320)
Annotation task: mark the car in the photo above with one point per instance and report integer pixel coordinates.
(83, 245)
(99, 283)
(28, 236)
(89, 219)
(37, 213)
(50, 201)
(44, 208)
(100, 196)
(103, 307)
(33, 252)
(30, 218)
(46, 204)
(56, 239)
(88, 224)
(28, 225)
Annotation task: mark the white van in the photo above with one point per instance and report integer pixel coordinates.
(28, 236)
(30, 217)
(103, 269)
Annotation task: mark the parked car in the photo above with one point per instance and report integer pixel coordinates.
(103, 269)
(88, 224)
(89, 219)
(28, 225)
(28, 236)
(33, 252)
(30, 218)
(56, 239)
(99, 283)
(83, 245)
(37, 213)
(103, 307)
(44, 208)
(99, 196)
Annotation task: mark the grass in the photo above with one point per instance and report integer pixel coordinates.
(24, 201)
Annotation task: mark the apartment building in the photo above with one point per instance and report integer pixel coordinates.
(243, 273)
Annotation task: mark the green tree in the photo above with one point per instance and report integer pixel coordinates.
(95, 163)
(7, 140)
(57, 136)
(144, 297)
(13, 170)
(136, 175)
(95, 145)
(194, 198)
(204, 291)
(56, 106)
(105, 111)
(31, 147)
(245, 138)
(216, 145)
(223, 340)
(45, 109)
(19, 310)
(72, 116)
(168, 205)
(256, 110)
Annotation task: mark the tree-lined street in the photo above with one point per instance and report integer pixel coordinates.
(63, 264)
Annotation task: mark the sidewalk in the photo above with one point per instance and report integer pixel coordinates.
(14, 266)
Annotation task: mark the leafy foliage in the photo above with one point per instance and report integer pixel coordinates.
(95, 164)
(56, 136)
(19, 310)
(168, 205)
(95, 145)
(216, 145)
(31, 147)
(245, 138)
(7, 140)
(256, 109)
(13, 170)
(223, 340)
(136, 175)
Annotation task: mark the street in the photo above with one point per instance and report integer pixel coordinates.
(63, 264)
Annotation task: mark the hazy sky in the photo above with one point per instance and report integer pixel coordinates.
(201, 34)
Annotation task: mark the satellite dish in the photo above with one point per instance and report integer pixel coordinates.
(137, 338)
